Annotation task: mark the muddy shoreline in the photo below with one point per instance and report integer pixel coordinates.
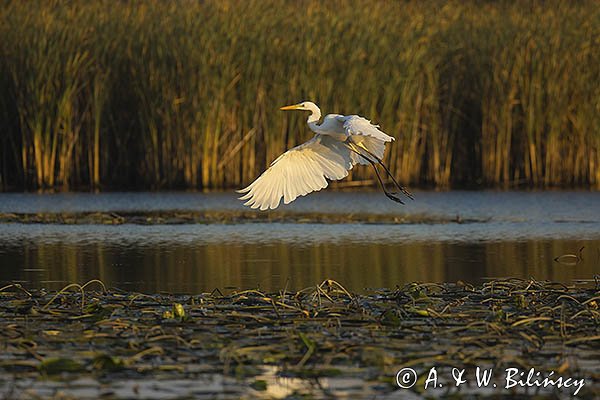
(216, 217)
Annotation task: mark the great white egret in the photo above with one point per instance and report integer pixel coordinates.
(340, 142)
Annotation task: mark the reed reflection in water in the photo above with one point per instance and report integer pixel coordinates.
(192, 268)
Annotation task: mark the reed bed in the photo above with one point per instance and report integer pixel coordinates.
(302, 340)
(185, 94)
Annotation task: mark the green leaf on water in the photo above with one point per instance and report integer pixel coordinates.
(93, 308)
(178, 311)
(259, 384)
(244, 371)
(390, 318)
(520, 301)
(108, 363)
(416, 292)
(57, 365)
(419, 311)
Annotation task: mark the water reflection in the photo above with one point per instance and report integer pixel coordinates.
(523, 233)
(188, 267)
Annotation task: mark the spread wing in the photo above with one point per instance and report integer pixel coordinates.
(299, 171)
(357, 125)
(374, 146)
(364, 133)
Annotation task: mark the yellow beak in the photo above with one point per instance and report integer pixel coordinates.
(294, 107)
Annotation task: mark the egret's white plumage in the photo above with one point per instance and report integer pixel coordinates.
(299, 171)
(330, 154)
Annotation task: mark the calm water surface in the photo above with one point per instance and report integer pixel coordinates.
(514, 234)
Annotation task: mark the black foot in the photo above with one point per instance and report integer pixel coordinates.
(393, 196)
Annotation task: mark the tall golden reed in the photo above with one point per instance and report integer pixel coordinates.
(185, 94)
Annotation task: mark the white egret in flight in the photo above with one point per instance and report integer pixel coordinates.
(340, 142)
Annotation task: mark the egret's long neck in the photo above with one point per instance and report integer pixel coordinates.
(313, 118)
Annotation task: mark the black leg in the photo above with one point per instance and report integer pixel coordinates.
(390, 195)
(400, 187)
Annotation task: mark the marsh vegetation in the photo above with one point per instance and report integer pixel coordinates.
(184, 94)
(319, 342)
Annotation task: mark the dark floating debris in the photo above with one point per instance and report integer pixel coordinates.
(225, 217)
(323, 331)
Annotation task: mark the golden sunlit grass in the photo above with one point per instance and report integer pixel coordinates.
(185, 94)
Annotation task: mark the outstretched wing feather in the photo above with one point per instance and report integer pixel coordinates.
(365, 134)
(299, 171)
(375, 146)
(357, 125)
